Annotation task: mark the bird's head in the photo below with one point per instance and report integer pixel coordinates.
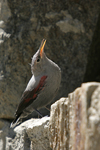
(39, 60)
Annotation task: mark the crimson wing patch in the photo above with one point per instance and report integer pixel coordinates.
(29, 96)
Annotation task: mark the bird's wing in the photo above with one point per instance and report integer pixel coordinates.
(29, 96)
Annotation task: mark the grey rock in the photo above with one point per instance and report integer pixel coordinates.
(4, 132)
(4, 15)
(32, 134)
(75, 121)
(68, 44)
(59, 125)
(5, 12)
(80, 127)
(1, 24)
(71, 25)
(51, 15)
(3, 34)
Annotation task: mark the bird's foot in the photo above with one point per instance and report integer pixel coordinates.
(39, 113)
(47, 108)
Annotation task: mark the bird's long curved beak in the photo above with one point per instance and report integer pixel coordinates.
(42, 47)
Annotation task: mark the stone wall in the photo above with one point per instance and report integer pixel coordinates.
(71, 28)
(75, 121)
(74, 124)
(68, 27)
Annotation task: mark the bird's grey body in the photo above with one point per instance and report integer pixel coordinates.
(42, 87)
(53, 73)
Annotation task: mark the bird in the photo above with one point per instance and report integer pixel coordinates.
(41, 88)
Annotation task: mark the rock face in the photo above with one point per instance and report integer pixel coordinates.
(74, 124)
(59, 125)
(82, 135)
(75, 121)
(4, 15)
(68, 27)
(32, 134)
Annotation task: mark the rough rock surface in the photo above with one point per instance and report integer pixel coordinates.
(75, 121)
(74, 124)
(81, 133)
(32, 134)
(4, 131)
(4, 15)
(68, 27)
(59, 125)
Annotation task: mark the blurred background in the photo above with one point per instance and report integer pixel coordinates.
(72, 31)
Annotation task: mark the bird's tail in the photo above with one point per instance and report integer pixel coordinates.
(15, 122)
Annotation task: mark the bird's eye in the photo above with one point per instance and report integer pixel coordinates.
(38, 59)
